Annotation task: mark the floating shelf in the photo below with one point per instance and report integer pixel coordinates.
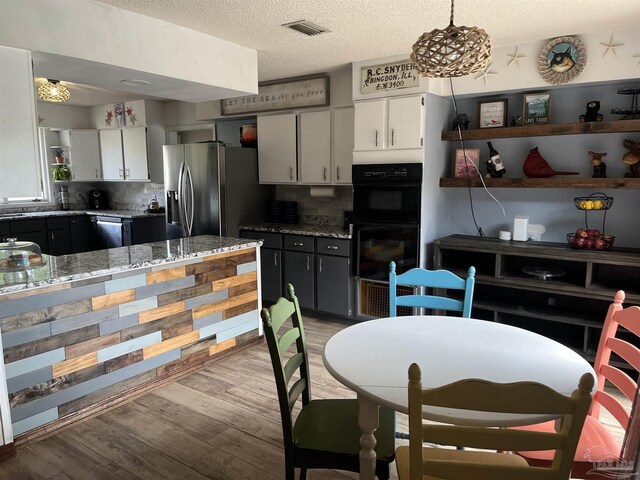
(554, 182)
(545, 130)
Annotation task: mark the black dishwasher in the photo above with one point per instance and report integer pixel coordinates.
(110, 232)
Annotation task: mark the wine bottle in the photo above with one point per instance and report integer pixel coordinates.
(495, 167)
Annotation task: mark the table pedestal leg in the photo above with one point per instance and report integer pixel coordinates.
(368, 422)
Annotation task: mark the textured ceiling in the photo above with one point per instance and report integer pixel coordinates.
(362, 29)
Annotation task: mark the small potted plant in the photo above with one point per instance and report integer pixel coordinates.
(60, 173)
(59, 155)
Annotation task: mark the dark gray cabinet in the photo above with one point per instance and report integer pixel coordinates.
(58, 236)
(319, 268)
(79, 233)
(31, 230)
(334, 285)
(299, 270)
(270, 263)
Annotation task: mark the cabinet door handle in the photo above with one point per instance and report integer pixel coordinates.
(96, 173)
(290, 173)
(331, 247)
(337, 173)
(324, 174)
(298, 244)
(120, 172)
(376, 138)
(127, 173)
(393, 132)
(275, 259)
(308, 263)
(53, 236)
(320, 264)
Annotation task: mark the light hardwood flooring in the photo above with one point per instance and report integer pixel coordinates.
(222, 422)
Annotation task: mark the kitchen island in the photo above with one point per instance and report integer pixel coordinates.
(90, 330)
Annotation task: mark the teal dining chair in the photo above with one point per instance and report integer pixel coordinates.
(436, 279)
(325, 433)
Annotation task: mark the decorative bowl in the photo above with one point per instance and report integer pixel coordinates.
(595, 201)
(601, 242)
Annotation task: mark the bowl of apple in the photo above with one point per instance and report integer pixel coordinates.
(588, 239)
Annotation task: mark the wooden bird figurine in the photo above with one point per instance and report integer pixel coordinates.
(599, 167)
(632, 158)
(537, 167)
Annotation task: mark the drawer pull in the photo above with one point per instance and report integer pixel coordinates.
(320, 264)
(298, 244)
(275, 259)
(308, 263)
(332, 247)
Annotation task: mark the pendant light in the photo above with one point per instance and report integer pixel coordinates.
(53, 91)
(452, 52)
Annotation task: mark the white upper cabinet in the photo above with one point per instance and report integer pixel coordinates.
(370, 125)
(389, 130)
(278, 149)
(124, 154)
(111, 153)
(134, 147)
(315, 147)
(84, 154)
(406, 122)
(342, 145)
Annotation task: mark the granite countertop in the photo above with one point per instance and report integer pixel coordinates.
(332, 231)
(104, 262)
(66, 213)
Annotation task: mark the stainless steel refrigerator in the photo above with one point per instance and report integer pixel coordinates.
(210, 189)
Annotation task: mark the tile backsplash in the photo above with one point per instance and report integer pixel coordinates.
(318, 210)
(122, 196)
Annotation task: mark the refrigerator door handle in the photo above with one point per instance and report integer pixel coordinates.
(181, 202)
(191, 199)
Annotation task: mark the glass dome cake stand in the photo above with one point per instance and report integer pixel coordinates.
(18, 259)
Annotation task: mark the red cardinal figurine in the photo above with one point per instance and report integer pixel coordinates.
(537, 167)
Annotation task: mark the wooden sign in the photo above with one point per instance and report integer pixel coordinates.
(388, 76)
(299, 92)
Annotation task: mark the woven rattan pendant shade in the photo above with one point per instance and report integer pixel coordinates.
(452, 52)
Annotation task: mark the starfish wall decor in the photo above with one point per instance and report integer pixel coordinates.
(515, 58)
(611, 47)
(485, 74)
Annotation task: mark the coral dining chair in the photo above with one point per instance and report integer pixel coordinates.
(325, 433)
(417, 462)
(596, 444)
(437, 279)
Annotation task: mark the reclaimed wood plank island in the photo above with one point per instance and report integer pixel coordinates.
(89, 331)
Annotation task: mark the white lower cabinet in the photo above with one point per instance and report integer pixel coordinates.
(124, 154)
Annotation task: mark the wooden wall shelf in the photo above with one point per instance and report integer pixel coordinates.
(614, 126)
(554, 182)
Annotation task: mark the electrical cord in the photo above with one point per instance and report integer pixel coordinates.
(468, 162)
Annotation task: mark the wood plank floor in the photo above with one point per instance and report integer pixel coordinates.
(219, 423)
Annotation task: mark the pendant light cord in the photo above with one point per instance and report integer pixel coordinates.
(451, 18)
(469, 163)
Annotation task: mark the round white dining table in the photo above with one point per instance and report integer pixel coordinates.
(373, 357)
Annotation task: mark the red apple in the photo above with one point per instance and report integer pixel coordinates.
(593, 233)
(579, 242)
(581, 232)
(588, 243)
(599, 244)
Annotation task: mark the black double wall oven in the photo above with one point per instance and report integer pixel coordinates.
(386, 217)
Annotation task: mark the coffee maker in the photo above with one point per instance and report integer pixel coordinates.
(98, 200)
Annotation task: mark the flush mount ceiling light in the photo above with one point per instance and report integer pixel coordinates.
(53, 91)
(452, 52)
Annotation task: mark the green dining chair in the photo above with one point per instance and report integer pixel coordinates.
(437, 279)
(325, 433)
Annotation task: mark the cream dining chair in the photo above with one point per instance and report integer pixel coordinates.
(416, 462)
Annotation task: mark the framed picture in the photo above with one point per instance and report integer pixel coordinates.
(535, 108)
(492, 114)
(562, 59)
(467, 167)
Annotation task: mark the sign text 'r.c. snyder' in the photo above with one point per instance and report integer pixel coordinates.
(388, 76)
